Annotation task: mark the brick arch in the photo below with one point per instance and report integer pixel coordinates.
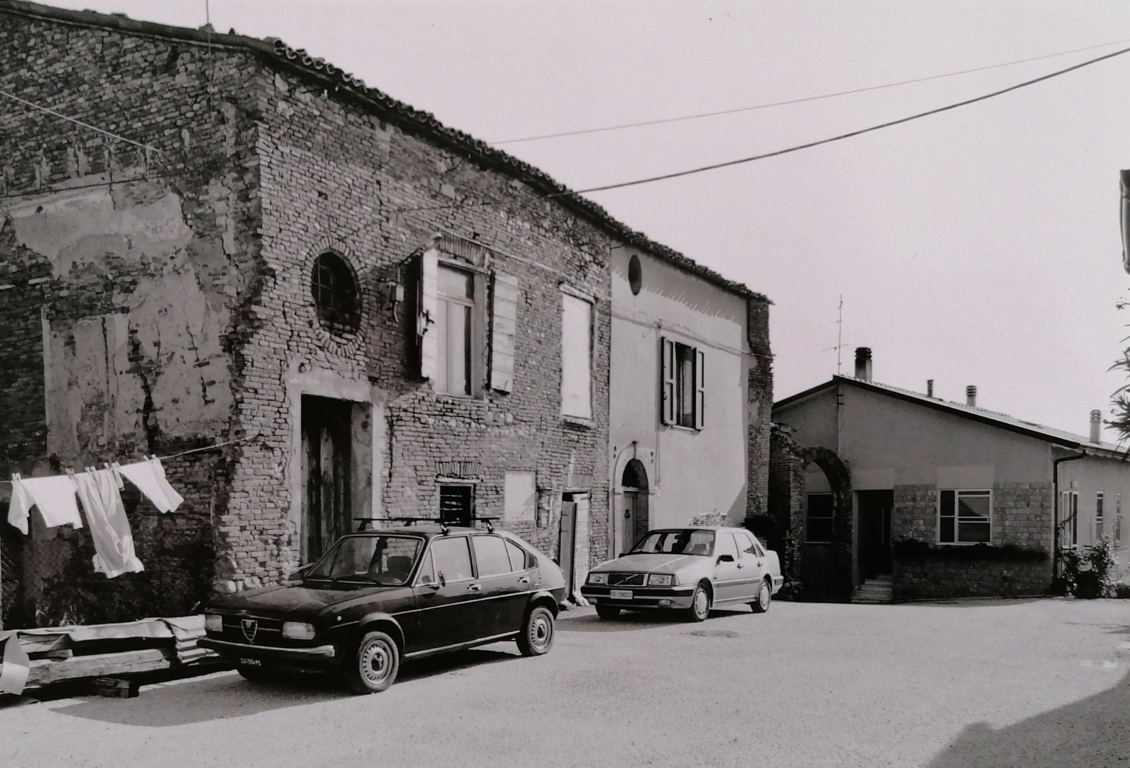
(787, 471)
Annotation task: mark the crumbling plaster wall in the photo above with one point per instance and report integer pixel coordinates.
(128, 272)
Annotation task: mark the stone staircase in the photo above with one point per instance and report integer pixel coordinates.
(876, 590)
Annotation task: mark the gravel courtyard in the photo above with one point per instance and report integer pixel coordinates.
(986, 683)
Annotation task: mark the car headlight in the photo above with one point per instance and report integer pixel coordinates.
(213, 622)
(298, 630)
(598, 578)
(660, 579)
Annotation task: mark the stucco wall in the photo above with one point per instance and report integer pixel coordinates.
(690, 472)
(1111, 477)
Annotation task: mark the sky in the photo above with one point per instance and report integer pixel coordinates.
(978, 246)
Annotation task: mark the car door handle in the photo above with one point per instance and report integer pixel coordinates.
(741, 565)
(474, 587)
(524, 580)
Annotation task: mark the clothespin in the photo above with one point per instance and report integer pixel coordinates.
(115, 468)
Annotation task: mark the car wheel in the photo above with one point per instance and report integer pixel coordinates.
(374, 664)
(764, 597)
(536, 636)
(254, 674)
(700, 604)
(607, 612)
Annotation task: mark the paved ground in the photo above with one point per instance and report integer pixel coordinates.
(994, 683)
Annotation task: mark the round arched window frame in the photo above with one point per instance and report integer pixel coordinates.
(635, 274)
(337, 297)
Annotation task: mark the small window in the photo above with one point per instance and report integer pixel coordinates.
(635, 274)
(1098, 516)
(490, 555)
(726, 545)
(818, 520)
(452, 559)
(684, 385)
(1068, 519)
(335, 293)
(519, 558)
(964, 517)
(456, 503)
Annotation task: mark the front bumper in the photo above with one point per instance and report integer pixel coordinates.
(642, 597)
(320, 656)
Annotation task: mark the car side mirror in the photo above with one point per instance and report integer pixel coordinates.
(725, 558)
(442, 580)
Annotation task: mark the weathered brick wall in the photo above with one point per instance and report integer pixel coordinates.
(1022, 518)
(334, 177)
(148, 256)
(786, 500)
(759, 394)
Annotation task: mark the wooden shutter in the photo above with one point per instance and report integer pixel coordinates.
(426, 335)
(667, 365)
(504, 323)
(699, 388)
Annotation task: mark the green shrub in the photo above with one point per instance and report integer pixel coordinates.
(916, 550)
(1089, 572)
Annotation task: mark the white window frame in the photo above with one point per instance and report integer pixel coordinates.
(675, 411)
(1068, 519)
(958, 493)
(1100, 520)
(576, 356)
(444, 352)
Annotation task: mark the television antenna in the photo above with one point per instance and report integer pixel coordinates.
(839, 336)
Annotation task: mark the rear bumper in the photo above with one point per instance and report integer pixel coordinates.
(321, 656)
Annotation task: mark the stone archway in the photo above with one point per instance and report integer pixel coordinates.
(788, 461)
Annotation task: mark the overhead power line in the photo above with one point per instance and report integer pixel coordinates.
(699, 116)
(61, 116)
(850, 134)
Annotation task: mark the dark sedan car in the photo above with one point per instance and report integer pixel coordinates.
(380, 596)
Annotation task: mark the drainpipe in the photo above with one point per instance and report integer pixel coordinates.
(1055, 508)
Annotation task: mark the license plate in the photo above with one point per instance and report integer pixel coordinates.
(251, 662)
(620, 594)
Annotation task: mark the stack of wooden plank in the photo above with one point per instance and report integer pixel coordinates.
(110, 650)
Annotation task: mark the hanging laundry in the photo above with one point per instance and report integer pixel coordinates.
(55, 497)
(109, 527)
(14, 664)
(149, 477)
(20, 506)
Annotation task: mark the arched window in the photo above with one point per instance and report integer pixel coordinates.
(335, 293)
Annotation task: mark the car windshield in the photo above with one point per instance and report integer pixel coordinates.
(682, 542)
(384, 560)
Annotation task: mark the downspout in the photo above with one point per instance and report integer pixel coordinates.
(1056, 510)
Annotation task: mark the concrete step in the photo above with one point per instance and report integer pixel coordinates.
(877, 590)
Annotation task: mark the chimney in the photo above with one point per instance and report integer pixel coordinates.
(863, 363)
(971, 396)
(929, 387)
(1096, 426)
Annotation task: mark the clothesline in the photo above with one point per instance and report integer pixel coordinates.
(212, 447)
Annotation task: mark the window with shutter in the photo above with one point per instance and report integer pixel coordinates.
(684, 385)
(426, 310)
(667, 406)
(504, 321)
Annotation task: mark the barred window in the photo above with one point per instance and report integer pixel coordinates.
(335, 293)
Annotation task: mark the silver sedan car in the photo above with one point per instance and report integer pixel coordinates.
(687, 569)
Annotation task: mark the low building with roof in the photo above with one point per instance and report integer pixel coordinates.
(893, 494)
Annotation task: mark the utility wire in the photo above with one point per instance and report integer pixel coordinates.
(78, 122)
(850, 134)
(699, 116)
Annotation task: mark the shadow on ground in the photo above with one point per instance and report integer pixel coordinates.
(1088, 733)
(225, 696)
(631, 621)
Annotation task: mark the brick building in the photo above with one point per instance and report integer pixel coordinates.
(233, 244)
(892, 494)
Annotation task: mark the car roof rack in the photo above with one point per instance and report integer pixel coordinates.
(488, 520)
(434, 521)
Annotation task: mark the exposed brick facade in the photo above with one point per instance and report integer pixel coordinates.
(160, 300)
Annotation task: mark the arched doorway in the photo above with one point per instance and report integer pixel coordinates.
(634, 520)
